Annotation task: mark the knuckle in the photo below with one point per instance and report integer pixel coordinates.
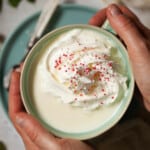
(33, 135)
(143, 44)
(127, 24)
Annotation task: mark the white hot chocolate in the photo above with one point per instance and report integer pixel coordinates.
(79, 81)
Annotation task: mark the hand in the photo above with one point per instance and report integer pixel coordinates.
(137, 39)
(35, 137)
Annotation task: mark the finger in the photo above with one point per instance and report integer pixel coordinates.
(137, 45)
(130, 34)
(130, 14)
(123, 25)
(99, 18)
(15, 104)
(35, 132)
(29, 145)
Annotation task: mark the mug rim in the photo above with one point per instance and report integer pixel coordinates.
(99, 130)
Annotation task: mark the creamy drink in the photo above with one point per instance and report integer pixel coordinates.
(78, 81)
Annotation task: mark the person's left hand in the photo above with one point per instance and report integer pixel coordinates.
(136, 38)
(35, 136)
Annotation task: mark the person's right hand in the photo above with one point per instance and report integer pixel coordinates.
(137, 39)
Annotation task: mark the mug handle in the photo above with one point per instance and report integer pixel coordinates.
(106, 26)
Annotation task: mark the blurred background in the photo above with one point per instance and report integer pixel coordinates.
(14, 12)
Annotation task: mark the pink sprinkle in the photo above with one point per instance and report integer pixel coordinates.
(71, 54)
(74, 77)
(94, 68)
(75, 99)
(110, 64)
(107, 79)
(87, 70)
(60, 61)
(105, 56)
(65, 55)
(81, 64)
(102, 75)
(95, 94)
(103, 90)
(81, 94)
(113, 75)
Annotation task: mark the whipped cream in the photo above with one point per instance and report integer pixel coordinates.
(79, 69)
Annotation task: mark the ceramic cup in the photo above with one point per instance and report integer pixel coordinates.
(70, 120)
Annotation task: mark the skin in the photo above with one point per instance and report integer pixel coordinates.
(35, 137)
(137, 40)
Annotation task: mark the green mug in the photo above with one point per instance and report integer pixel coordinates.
(76, 119)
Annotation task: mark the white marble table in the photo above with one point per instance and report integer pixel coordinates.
(9, 20)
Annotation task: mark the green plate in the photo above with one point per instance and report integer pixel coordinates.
(14, 47)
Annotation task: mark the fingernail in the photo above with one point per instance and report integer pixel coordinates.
(114, 10)
(20, 121)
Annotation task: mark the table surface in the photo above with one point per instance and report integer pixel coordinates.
(10, 18)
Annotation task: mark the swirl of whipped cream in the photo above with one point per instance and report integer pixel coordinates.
(79, 70)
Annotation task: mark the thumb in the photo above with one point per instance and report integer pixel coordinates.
(131, 35)
(137, 44)
(128, 31)
(35, 132)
